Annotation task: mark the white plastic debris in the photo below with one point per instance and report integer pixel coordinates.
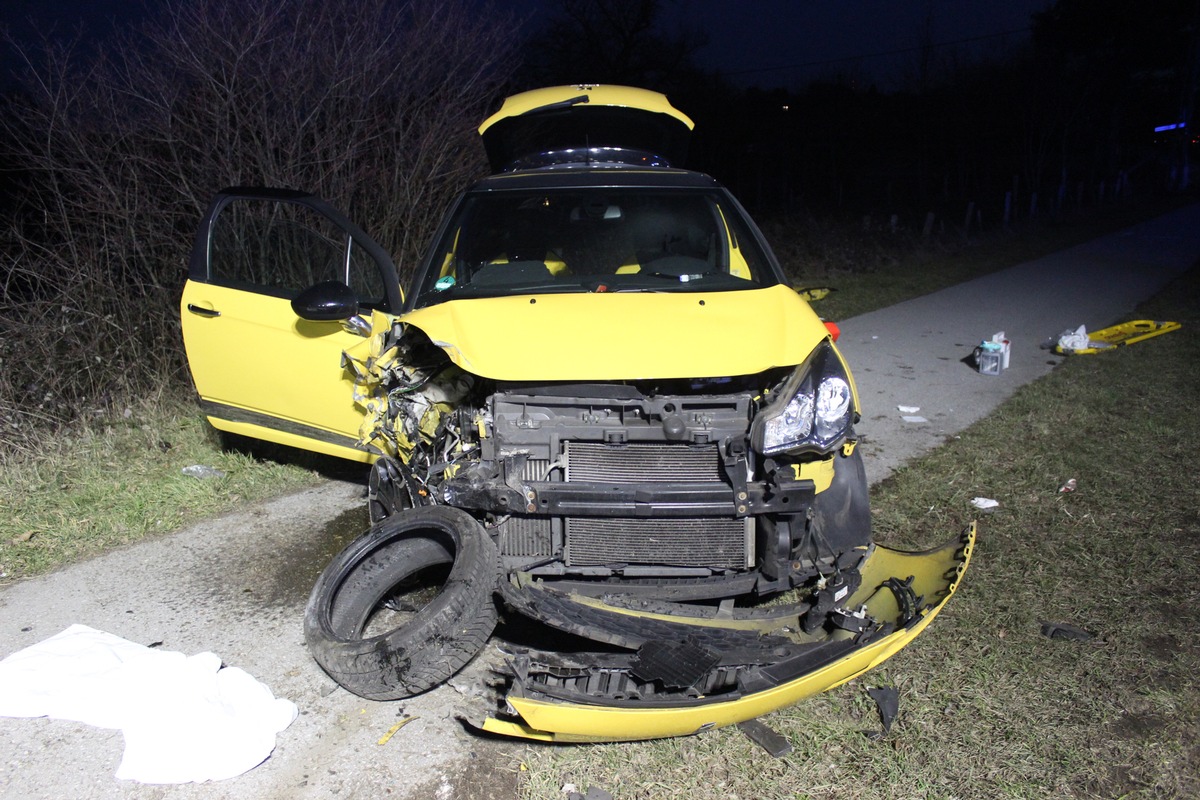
(985, 503)
(1074, 340)
(202, 472)
(911, 418)
(908, 409)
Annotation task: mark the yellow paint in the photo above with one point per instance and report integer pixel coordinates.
(819, 472)
(625, 335)
(601, 95)
(260, 357)
(392, 730)
(937, 573)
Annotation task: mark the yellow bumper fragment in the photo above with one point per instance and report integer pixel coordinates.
(932, 576)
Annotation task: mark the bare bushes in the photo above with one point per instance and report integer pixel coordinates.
(371, 104)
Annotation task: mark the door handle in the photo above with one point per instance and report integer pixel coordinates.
(202, 311)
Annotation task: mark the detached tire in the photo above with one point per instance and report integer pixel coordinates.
(405, 606)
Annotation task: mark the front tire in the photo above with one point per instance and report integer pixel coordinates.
(405, 606)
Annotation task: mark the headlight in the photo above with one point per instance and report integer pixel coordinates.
(814, 409)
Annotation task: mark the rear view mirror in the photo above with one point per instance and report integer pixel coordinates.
(326, 301)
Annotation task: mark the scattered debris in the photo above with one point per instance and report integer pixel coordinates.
(593, 793)
(812, 293)
(911, 418)
(985, 503)
(202, 472)
(1071, 340)
(23, 537)
(908, 409)
(992, 355)
(766, 738)
(1069, 486)
(392, 730)
(1080, 342)
(1063, 630)
(887, 702)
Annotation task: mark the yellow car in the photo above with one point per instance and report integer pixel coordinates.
(600, 405)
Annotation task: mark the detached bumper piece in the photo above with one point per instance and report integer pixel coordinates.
(673, 669)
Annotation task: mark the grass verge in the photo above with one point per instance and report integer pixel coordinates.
(990, 707)
(117, 477)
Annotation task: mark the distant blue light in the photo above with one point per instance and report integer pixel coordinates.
(1174, 127)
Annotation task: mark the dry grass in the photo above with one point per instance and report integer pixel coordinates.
(115, 476)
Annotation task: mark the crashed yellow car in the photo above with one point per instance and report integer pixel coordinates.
(600, 408)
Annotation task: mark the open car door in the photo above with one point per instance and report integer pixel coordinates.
(260, 369)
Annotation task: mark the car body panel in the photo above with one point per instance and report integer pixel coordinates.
(620, 123)
(624, 336)
(262, 371)
(935, 575)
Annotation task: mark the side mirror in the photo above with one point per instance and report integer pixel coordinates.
(326, 301)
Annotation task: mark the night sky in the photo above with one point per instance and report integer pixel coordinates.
(872, 40)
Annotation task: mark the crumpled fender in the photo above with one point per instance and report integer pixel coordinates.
(754, 662)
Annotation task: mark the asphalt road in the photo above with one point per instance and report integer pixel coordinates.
(911, 354)
(237, 585)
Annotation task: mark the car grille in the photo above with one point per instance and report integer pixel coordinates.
(641, 463)
(695, 542)
(690, 542)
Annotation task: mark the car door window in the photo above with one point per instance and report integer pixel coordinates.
(279, 248)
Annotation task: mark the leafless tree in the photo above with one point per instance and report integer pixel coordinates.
(613, 41)
(371, 104)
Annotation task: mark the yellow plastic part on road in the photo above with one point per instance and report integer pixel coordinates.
(1119, 335)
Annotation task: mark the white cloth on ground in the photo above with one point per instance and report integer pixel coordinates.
(184, 718)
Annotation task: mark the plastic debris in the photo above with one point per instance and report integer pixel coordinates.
(593, 793)
(1080, 342)
(1063, 630)
(985, 503)
(392, 730)
(1069, 486)
(887, 702)
(911, 418)
(765, 737)
(202, 472)
(908, 409)
(1074, 339)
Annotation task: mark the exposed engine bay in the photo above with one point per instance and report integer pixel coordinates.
(651, 484)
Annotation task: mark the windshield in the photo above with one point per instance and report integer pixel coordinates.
(594, 240)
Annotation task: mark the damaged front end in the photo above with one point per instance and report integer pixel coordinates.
(683, 670)
(719, 569)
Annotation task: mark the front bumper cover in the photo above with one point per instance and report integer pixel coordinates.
(675, 669)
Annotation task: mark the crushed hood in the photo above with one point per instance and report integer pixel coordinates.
(623, 336)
